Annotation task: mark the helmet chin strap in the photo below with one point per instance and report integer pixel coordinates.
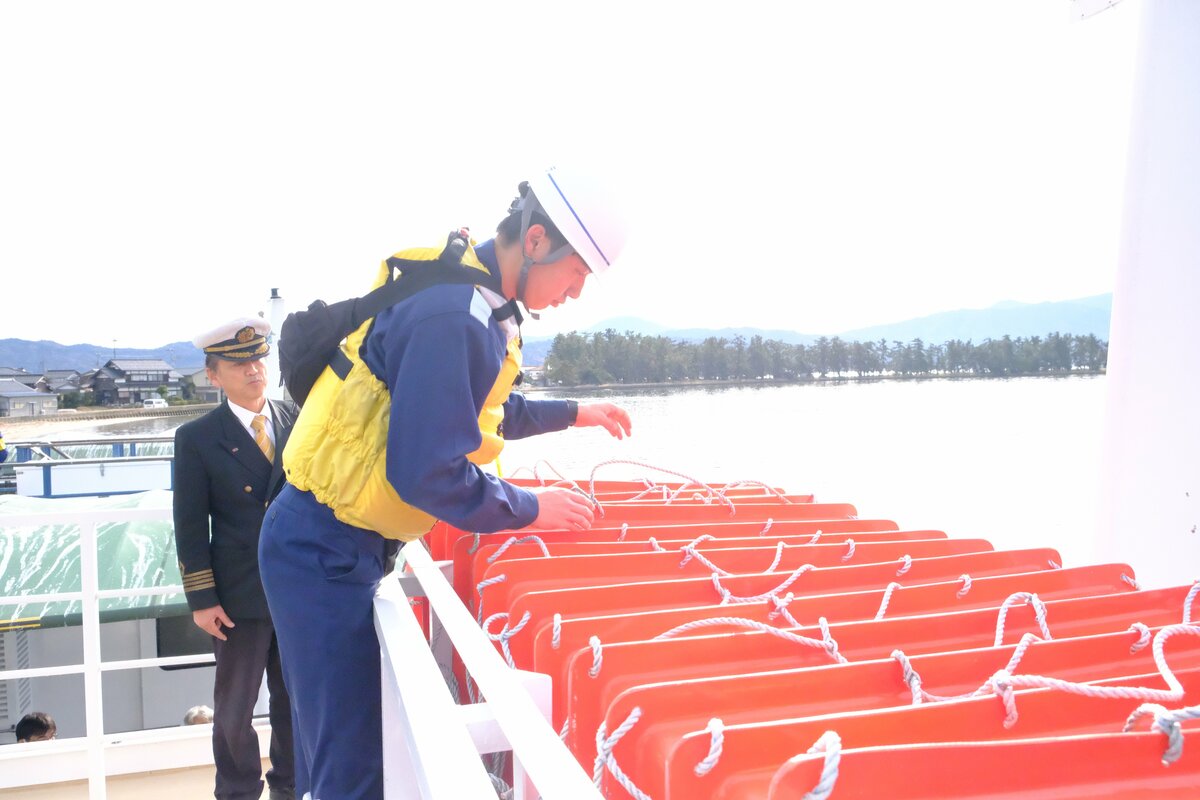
(528, 261)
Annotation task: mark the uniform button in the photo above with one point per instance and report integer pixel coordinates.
(247, 489)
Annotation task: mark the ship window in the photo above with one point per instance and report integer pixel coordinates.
(179, 636)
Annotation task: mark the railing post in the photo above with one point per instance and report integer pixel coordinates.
(92, 683)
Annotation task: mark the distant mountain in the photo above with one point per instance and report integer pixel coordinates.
(42, 355)
(1079, 317)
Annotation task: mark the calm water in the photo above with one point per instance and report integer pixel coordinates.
(1013, 461)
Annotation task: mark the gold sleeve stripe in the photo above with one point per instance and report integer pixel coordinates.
(200, 587)
(204, 573)
(200, 579)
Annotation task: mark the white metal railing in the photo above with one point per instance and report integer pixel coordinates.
(430, 743)
(93, 666)
(426, 734)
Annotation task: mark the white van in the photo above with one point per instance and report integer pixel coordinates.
(154, 402)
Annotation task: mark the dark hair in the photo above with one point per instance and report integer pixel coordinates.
(210, 361)
(36, 725)
(509, 228)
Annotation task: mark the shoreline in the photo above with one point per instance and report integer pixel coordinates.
(28, 428)
(694, 384)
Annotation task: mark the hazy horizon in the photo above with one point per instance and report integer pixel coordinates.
(820, 166)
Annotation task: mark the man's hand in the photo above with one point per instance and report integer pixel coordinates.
(562, 510)
(210, 621)
(612, 418)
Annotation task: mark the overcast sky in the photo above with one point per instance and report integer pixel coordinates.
(812, 166)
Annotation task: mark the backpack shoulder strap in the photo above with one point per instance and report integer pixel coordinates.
(418, 275)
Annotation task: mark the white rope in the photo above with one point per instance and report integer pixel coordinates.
(849, 551)
(479, 587)
(906, 562)
(690, 552)
(552, 469)
(729, 597)
(656, 547)
(1054, 564)
(1187, 603)
(1167, 723)
(1131, 582)
(505, 633)
(624, 530)
(597, 656)
(966, 582)
(781, 607)
(1144, 635)
(778, 557)
(767, 528)
(1003, 682)
(515, 540)
(604, 756)
(887, 599)
(816, 537)
(828, 645)
(650, 489)
(716, 730)
(831, 745)
(683, 487)
(831, 645)
(595, 469)
(1039, 613)
(503, 790)
(556, 631)
(767, 490)
(474, 544)
(909, 676)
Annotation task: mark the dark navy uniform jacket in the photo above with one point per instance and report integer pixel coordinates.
(223, 485)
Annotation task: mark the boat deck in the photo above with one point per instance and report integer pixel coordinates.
(193, 782)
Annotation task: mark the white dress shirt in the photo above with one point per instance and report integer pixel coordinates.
(246, 416)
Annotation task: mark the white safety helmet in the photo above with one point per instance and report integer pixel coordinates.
(584, 211)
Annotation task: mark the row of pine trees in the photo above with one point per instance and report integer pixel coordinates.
(609, 357)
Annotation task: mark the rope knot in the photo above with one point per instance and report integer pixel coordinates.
(1001, 684)
(1167, 723)
(1144, 636)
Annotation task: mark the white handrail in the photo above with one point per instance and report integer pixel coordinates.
(90, 595)
(542, 755)
(509, 718)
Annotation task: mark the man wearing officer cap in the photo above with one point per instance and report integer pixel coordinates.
(228, 468)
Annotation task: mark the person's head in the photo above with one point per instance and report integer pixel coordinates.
(561, 228)
(233, 359)
(36, 726)
(198, 715)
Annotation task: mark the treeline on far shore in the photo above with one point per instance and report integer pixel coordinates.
(609, 357)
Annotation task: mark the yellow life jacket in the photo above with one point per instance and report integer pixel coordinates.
(338, 447)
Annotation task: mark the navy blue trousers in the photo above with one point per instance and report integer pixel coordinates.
(320, 577)
(249, 649)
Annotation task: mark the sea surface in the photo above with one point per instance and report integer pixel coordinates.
(1015, 461)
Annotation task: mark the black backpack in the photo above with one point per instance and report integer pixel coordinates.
(310, 340)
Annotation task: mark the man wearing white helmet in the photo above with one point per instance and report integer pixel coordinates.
(391, 439)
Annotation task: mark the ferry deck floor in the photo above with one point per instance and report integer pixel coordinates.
(193, 783)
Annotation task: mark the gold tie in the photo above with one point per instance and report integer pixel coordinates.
(259, 424)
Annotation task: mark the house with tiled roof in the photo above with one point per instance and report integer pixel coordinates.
(129, 381)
